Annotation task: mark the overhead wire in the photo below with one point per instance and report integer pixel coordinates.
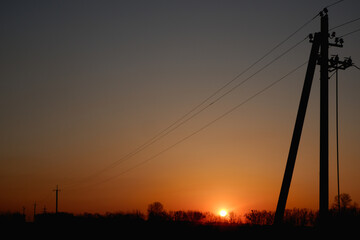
(196, 113)
(335, 3)
(356, 66)
(349, 33)
(202, 109)
(182, 120)
(344, 24)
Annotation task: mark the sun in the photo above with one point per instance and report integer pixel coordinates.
(223, 212)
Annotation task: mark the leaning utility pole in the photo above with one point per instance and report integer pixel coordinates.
(319, 41)
(280, 209)
(57, 198)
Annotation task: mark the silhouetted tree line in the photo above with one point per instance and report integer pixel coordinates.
(294, 217)
(132, 218)
(348, 214)
(12, 218)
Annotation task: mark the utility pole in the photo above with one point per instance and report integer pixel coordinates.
(320, 40)
(324, 117)
(57, 198)
(326, 66)
(34, 210)
(280, 209)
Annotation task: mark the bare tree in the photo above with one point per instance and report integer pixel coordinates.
(156, 212)
(345, 201)
(255, 217)
(234, 218)
(179, 216)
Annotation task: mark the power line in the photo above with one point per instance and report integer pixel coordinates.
(335, 3)
(343, 24)
(181, 120)
(185, 118)
(260, 70)
(356, 66)
(202, 128)
(349, 33)
(232, 89)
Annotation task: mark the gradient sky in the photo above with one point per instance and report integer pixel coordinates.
(83, 83)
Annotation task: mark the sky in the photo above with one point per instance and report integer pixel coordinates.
(85, 84)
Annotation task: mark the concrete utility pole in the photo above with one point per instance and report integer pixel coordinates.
(326, 66)
(320, 40)
(324, 117)
(57, 198)
(280, 209)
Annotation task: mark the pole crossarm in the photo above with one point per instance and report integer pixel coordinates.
(335, 63)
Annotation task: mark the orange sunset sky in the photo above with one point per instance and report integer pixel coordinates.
(85, 83)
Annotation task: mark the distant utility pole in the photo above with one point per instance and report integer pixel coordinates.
(320, 42)
(34, 210)
(57, 198)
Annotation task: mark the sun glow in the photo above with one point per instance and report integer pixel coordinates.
(223, 212)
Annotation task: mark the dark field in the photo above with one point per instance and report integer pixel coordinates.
(135, 226)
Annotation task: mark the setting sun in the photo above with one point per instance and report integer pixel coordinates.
(223, 212)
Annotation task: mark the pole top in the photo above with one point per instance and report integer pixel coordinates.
(324, 12)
